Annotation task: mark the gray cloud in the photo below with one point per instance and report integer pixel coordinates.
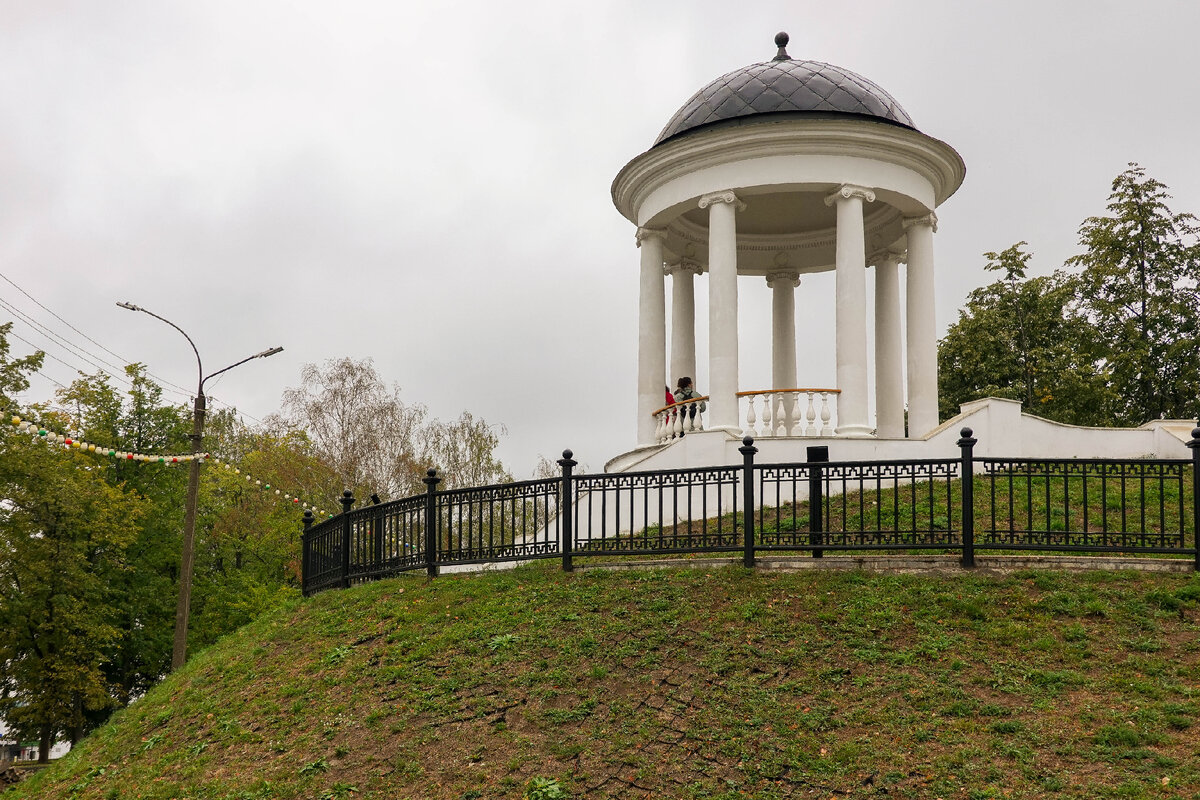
(427, 184)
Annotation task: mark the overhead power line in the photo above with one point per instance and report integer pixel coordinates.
(91, 358)
(39, 304)
(78, 351)
(123, 361)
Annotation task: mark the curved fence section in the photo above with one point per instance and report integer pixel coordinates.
(506, 522)
(656, 513)
(959, 504)
(859, 505)
(1086, 505)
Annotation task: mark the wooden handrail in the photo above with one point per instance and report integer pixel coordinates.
(676, 405)
(781, 391)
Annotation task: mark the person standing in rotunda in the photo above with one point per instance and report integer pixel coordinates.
(683, 392)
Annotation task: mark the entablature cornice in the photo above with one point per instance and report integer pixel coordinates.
(932, 160)
(810, 251)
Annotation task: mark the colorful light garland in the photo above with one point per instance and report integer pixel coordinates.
(52, 437)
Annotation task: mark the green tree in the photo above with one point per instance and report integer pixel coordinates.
(14, 372)
(64, 535)
(1138, 286)
(247, 539)
(138, 420)
(1019, 338)
(248, 552)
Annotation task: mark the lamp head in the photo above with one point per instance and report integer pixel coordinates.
(271, 352)
(129, 306)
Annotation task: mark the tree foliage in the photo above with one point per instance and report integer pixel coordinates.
(360, 426)
(1138, 286)
(1112, 340)
(138, 420)
(66, 535)
(90, 547)
(1019, 338)
(378, 444)
(14, 373)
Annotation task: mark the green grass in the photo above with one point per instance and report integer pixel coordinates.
(678, 684)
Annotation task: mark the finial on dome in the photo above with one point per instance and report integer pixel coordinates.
(781, 41)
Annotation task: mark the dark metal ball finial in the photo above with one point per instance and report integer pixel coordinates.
(781, 41)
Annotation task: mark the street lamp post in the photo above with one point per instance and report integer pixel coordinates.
(183, 608)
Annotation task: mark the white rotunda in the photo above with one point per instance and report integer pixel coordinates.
(779, 169)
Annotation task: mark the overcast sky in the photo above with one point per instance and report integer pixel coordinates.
(427, 184)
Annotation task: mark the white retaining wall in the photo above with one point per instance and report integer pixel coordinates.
(999, 426)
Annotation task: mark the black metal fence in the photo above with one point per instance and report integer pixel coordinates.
(1129, 506)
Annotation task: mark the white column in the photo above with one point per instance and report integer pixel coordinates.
(922, 327)
(683, 319)
(652, 333)
(850, 308)
(889, 352)
(783, 328)
(722, 310)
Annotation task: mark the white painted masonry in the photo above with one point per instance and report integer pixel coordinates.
(851, 309)
(683, 320)
(782, 195)
(783, 328)
(722, 309)
(999, 426)
(652, 331)
(889, 352)
(759, 187)
(922, 328)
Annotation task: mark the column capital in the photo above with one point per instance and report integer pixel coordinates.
(680, 267)
(848, 190)
(886, 256)
(722, 197)
(929, 219)
(783, 277)
(646, 233)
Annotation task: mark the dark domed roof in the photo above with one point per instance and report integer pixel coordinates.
(785, 85)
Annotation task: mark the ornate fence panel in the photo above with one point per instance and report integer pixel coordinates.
(858, 505)
(321, 562)
(505, 522)
(388, 539)
(1085, 505)
(671, 511)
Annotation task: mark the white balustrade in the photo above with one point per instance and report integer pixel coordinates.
(769, 413)
(789, 412)
(674, 421)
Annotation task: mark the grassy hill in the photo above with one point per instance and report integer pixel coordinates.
(682, 684)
